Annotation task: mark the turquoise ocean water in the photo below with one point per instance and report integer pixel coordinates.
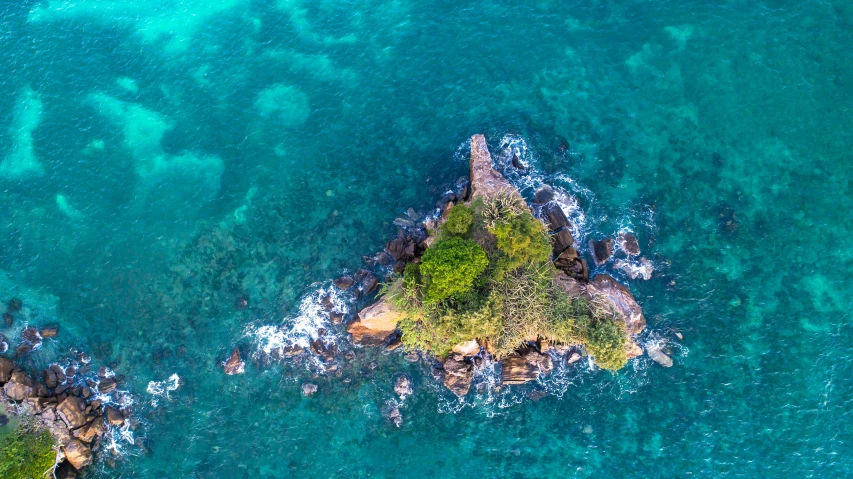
(164, 159)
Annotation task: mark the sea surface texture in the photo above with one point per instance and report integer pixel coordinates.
(180, 177)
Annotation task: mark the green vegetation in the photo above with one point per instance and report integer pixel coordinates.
(459, 220)
(489, 277)
(450, 267)
(25, 454)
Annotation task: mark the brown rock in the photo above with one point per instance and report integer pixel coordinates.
(485, 180)
(107, 385)
(18, 391)
(602, 250)
(458, 374)
(521, 368)
(555, 216)
(114, 416)
(60, 373)
(92, 430)
(65, 471)
(234, 364)
(369, 284)
(628, 243)
(6, 368)
(78, 454)
(543, 195)
(72, 411)
(50, 378)
(374, 324)
(635, 350)
(561, 240)
(344, 283)
(49, 331)
(31, 335)
(621, 301)
(23, 349)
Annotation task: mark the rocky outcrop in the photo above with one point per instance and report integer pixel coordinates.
(605, 290)
(235, 363)
(458, 374)
(620, 300)
(521, 368)
(602, 250)
(374, 324)
(485, 180)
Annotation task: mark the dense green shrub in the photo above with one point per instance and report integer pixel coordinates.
(26, 455)
(522, 239)
(459, 220)
(607, 343)
(450, 267)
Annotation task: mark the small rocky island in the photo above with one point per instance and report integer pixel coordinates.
(493, 278)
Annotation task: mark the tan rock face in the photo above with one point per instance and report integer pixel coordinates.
(78, 454)
(519, 369)
(234, 364)
(621, 299)
(458, 374)
(375, 323)
(73, 411)
(468, 348)
(90, 431)
(485, 180)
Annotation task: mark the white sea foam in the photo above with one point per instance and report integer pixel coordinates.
(298, 331)
(161, 389)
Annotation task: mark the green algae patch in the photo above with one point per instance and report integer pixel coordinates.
(26, 455)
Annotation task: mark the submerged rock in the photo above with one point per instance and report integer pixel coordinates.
(628, 243)
(641, 269)
(235, 363)
(374, 324)
(344, 283)
(309, 389)
(521, 368)
(403, 386)
(458, 375)
(49, 331)
(658, 356)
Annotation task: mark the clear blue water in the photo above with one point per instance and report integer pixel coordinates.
(161, 159)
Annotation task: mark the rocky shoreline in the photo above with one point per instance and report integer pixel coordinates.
(78, 406)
